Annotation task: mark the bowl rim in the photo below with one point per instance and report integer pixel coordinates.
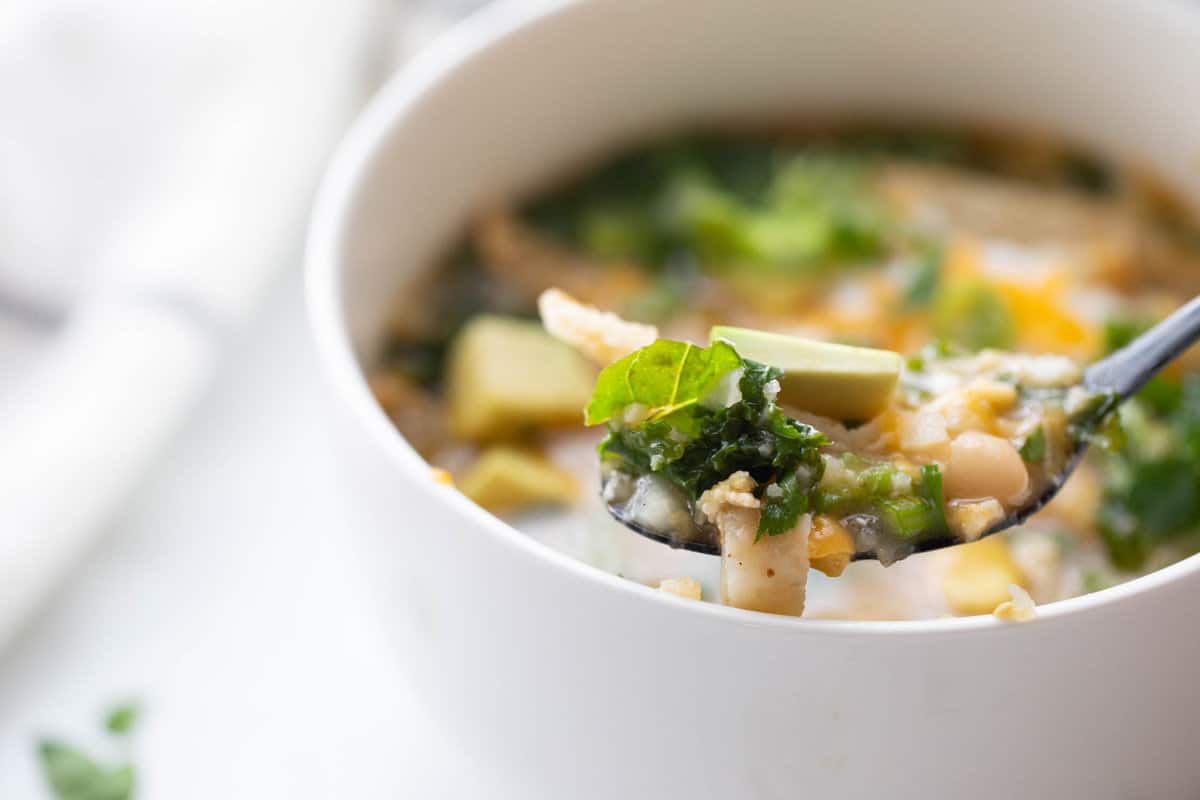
(333, 206)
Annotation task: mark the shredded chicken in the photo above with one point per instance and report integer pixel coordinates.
(768, 575)
(602, 336)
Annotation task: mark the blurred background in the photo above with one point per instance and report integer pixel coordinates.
(168, 523)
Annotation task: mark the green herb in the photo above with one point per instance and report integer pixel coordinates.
(73, 775)
(618, 232)
(1034, 448)
(972, 315)
(1121, 331)
(1152, 486)
(907, 517)
(1093, 581)
(664, 378)
(930, 489)
(923, 287)
(732, 205)
(1161, 393)
(1096, 421)
(695, 447)
(877, 480)
(120, 720)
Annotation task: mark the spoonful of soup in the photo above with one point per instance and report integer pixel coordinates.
(779, 453)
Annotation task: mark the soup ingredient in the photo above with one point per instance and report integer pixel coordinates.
(977, 579)
(687, 588)
(832, 380)
(602, 336)
(1020, 608)
(660, 380)
(696, 415)
(830, 546)
(508, 376)
(769, 575)
(508, 479)
(1151, 494)
(982, 465)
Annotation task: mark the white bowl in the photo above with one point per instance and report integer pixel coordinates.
(570, 682)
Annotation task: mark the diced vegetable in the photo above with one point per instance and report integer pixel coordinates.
(833, 380)
(977, 579)
(508, 375)
(508, 479)
(830, 546)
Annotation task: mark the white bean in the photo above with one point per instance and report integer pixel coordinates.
(981, 466)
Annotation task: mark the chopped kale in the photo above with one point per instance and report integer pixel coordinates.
(695, 447)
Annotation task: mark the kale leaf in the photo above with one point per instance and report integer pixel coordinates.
(696, 447)
(1152, 486)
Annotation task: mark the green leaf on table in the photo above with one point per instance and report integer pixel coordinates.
(74, 776)
(122, 719)
(663, 378)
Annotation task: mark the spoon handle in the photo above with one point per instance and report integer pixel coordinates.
(1129, 368)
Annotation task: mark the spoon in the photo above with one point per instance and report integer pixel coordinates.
(1116, 378)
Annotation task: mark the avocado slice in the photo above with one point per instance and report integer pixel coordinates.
(833, 380)
(506, 376)
(508, 479)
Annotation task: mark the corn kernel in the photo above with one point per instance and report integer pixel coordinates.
(830, 546)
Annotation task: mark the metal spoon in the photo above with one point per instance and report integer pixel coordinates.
(1119, 377)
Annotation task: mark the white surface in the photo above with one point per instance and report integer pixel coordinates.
(225, 596)
(223, 138)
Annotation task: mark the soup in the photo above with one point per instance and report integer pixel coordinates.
(948, 246)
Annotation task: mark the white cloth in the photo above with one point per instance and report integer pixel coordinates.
(156, 164)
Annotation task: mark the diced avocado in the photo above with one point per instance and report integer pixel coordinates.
(507, 479)
(508, 375)
(833, 380)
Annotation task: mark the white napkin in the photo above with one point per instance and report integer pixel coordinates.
(156, 163)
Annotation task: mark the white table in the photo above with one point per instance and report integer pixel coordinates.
(225, 597)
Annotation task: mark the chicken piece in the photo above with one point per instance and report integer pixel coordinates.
(768, 575)
(602, 336)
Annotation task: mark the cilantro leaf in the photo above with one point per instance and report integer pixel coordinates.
(1034, 447)
(121, 720)
(74, 776)
(665, 377)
